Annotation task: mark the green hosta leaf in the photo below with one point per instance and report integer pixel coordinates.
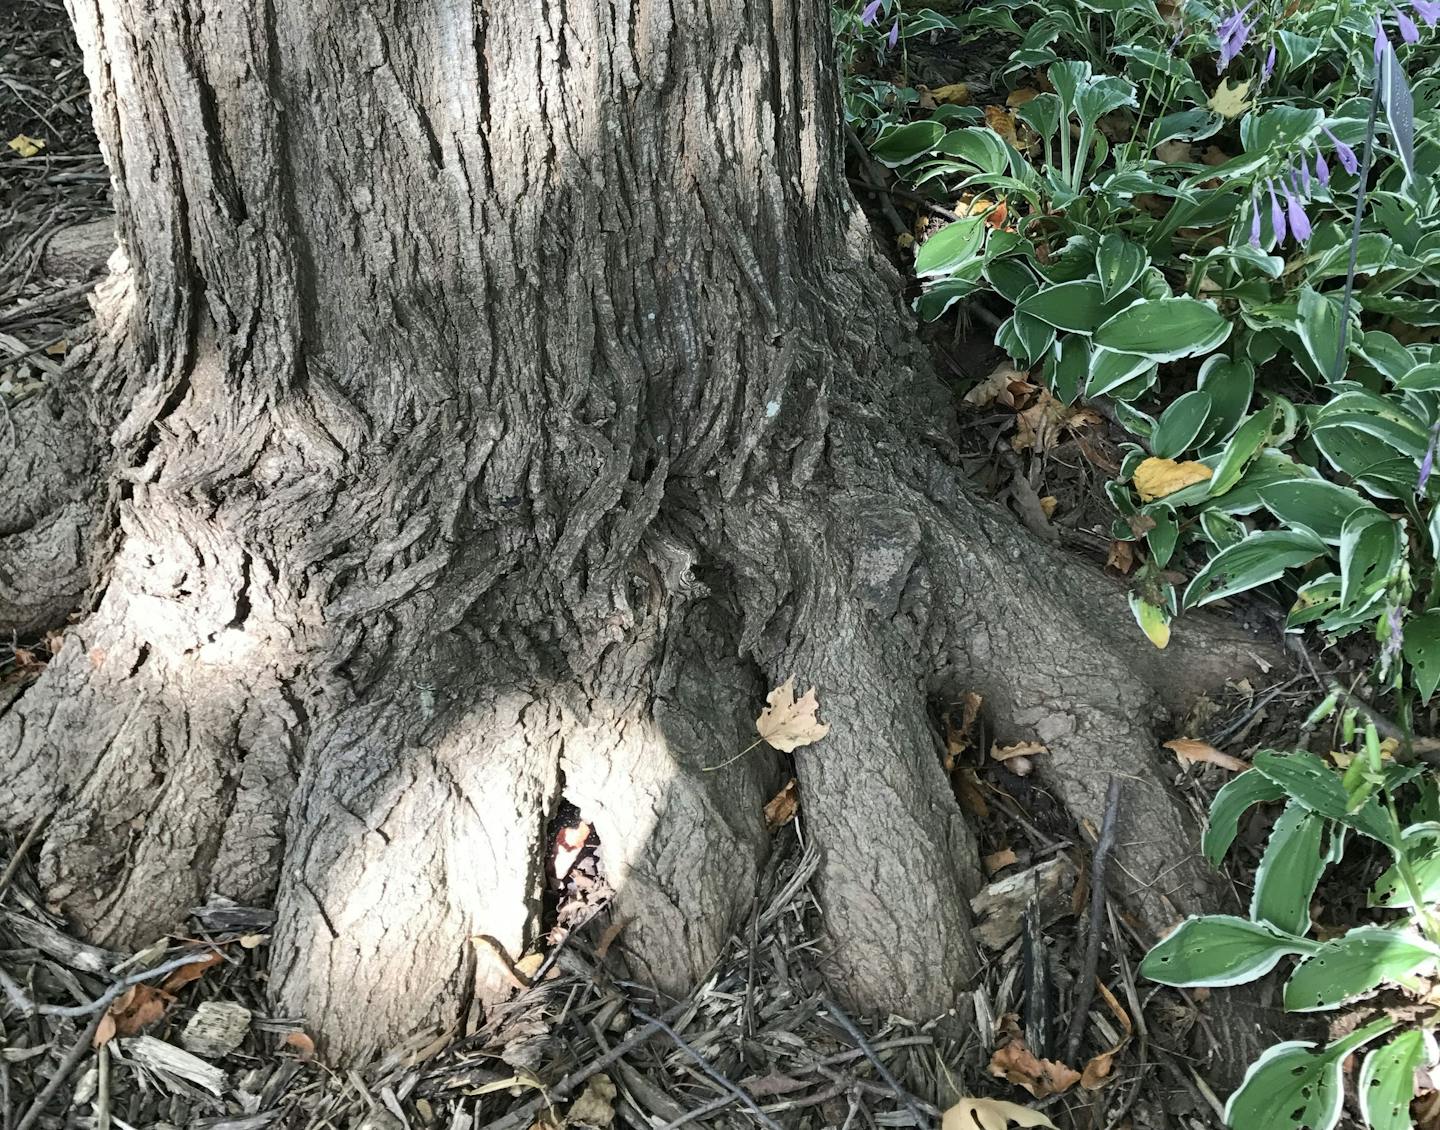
(1187, 125)
(1297, 1086)
(979, 146)
(1420, 844)
(1068, 367)
(1422, 378)
(1119, 263)
(1370, 554)
(1180, 423)
(1165, 329)
(951, 247)
(1289, 871)
(1230, 385)
(1110, 370)
(1247, 441)
(1042, 114)
(1347, 968)
(903, 144)
(1422, 652)
(1221, 530)
(1010, 278)
(1233, 800)
(1217, 949)
(1035, 336)
(1279, 128)
(1077, 307)
(1319, 329)
(1399, 107)
(1387, 1079)
(1315, 505)
(1259, 559)
(1308, 780)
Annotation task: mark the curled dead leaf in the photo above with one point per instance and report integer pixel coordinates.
(569, 843)
(1190, 752)
(1019, 749)
(998, 860)
(304, 1046)
(1002, 121)
(191, 972)
(1155, 478)
(955, 93)
(787, 723)
(1097, 1071)
(105, 1032)
(780, 808)
(1121, 557)
(991, 1114)
(140, 1006)
(1041, 1077)
(1005, 384)
(595, 1106)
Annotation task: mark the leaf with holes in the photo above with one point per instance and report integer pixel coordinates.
(1119, 263)
(1259, 559)
(1349, 967)
(1387, 1079)
(902, 145)
(951, 247)
(1421, 845)
(1308, 780)
(1422, 651)
(1233, 800)
(1315, 505)
(991, 1114)
(1289, 871)
(1218, 949)
(1296, 1086)
(1370, 554)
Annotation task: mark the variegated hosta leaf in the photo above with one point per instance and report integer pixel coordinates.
(1218, 949)
(1296, 1086)
(1290, 870)
(1230, 803)
(1351, 966)
(1387, 1079)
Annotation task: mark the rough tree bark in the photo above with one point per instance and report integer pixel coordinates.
(499, 399)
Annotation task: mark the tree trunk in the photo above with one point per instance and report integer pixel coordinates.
(502, 399)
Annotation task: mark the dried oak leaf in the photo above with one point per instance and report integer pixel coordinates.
(1121, 557)
(955, 93)
(991, 1114)
(139, 1007)
(1190, 751)
(780, 808)
(787, 723)
(1231, 99)
(1005, 384)
(1155, 478)
(1041, 1077)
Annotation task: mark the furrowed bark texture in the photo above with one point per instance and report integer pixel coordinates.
(510, 396)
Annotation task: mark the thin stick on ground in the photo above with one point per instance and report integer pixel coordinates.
(1086, 992)
(884, 1072)
(62, 1073)
(20, 851)
(709, 1069)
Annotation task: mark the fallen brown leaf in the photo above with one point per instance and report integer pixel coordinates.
(187, 973)
(140, 1006)
(998, 860)
(1004, 384)
(1190, 751)
(1049, 504)
(780, 809)
(787, 723)
(1173, 152)
(1041, 1077)
(105, 1032)
(1021, 95)
(304, 1046)
(1002, 121)
(607, 938)
(1097, 1071)
(972, 800)
(594, 1106)
(1121, 557)
(955, 93)
(569, 843)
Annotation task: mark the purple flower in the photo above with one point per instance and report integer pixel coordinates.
(1408, 31)
(1233, 32)
(1427, 10)
(1381, 39)
(1254, 222)
(1395, 638)
(1269, 68)
(871, 12)
(1343, 153)
(1299, 221)
(1305, 179)
(1428, 463)
(894, 36)
(1277, 214)
(1322, 170)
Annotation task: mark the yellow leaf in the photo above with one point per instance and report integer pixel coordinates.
(1019, 749)
(1153, 621)
(787, 724)
(991, 1114)
(1002, 121)
(957, 94)
(26, 146)
(1155, 478)
(1229, 99)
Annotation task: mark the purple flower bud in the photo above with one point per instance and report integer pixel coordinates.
(871, 12)
(1322, 170)
(1277, 213)
(894, 36)
(1299, 221)
(1427, 10)
(1395, 637)
(1381, 39)
(1305, 179)
(1428, 463)
(1408, 31)
(1233, 32)
(1343, 153)
(1254, 223)
(1269, 68)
